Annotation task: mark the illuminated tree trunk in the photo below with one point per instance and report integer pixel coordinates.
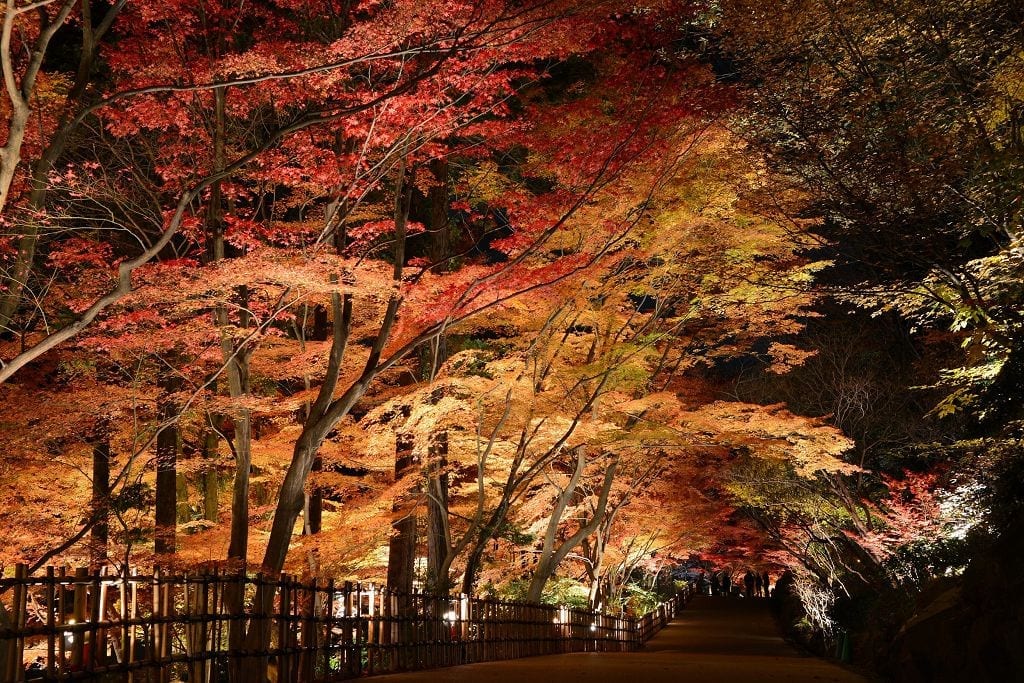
(551, 556)
(215, 212)
(237, 358)
(313, 509)
(594, 552)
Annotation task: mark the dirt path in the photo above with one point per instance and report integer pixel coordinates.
(715, 640)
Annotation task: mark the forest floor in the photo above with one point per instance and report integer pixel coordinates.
(713, 640)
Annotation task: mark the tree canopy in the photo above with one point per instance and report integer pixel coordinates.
(513, 296)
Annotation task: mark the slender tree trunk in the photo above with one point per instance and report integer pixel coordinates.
(168, 445)
(551, 556)
(100, 499)
(239, 543)
(438, 534)
(402, 546)
(215, 211)
(211, 479)
(235, 356)
(10, 159)
(595, 553)
(327, 411)
(237, 359)
(10, 153)
(476, 552)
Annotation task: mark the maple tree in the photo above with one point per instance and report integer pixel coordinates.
(533, 432)
(163, 123)
(156, 98)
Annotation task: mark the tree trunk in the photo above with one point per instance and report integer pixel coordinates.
(321, 324)
(215, 211)
(100, 500)
(290, 499)
(239, 544)
(168, 444)
(438, 534)
(551, 556)
(595, 553)
(10, 153)
(437, 212)
(211, 478)
(476, 553)
(237, 358)
(314, 512)
(10, 159)
(327, 411)
(235, 354)
(402, 546)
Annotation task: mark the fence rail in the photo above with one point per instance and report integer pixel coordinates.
(211, 627)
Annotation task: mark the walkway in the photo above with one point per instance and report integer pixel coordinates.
(715, 640)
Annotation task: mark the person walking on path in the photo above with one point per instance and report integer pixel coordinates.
(758, 585)
(748, 583)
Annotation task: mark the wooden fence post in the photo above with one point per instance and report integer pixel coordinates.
(350, 631)
(133, 613)
(51, 623)
(96, 644)
(78, 607)
(15, 655)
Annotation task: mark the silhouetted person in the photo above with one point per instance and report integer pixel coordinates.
(767, 580)
(758, 585)
(784, 584)
(748, 583)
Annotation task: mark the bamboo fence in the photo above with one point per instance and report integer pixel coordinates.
(208, 627)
